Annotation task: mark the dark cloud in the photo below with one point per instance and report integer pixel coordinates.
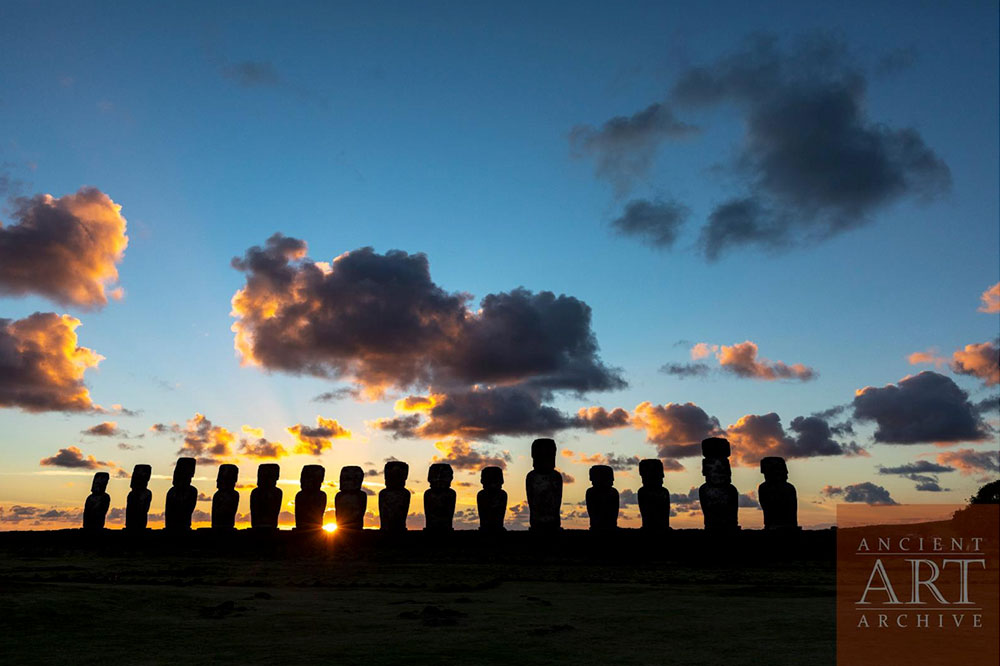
(313, 441)
(623, 148)
(73, 457)
(920, 472)
(253, 74)
(598, 418)
(676, 429)
(567, 478)
(261, 447)
(688, 499)
(65, 249)
(748, 501)
(615, 461)
(125, 446)
(653, 223)
(628, 497)
(685, 370)
(866, 492)
(42, 364)
(35, 515)
(923, 408)
(104, 429)
(337, 394)
(970, 461)
(462, 456)
(755, 436)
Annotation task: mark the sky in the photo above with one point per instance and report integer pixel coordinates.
(345, 233)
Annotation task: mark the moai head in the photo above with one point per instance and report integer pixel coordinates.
(100, 482)
(351, 478)
(267, 475)
(715, 447)
(716, 471)
(651, 471)
(774, 469)
(543, 455)
(183, 472)
(491, 478)
(602, 476)
(440, 475)
(395, 473)
(140, 477)
(312, 477)
(228, 474)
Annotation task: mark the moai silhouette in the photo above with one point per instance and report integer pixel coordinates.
(654, 499)
(96, 506)
(226, 500)
(394, 499)
(719, 498)
(310, 502)
(351, 502)
(181, 498)
(777, 496)
(491, 500)
(265, 499)
(439, 499)
(139, 498)
(544, 487)
(602, 499)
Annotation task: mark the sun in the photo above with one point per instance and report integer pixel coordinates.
(330, 527)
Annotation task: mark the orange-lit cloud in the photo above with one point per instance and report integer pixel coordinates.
(755, 436)
(703, 350)
(676, 429)
(460, 455)
(66, 248)
(991, 299)
(600, 419)
(258, 446)
(73, 457)
(930, 356)
(615, 461)
(741, 360)
(42, 365)
(971, 461)
(104, 429)
(314, 441)
(979, 360)
(206, 442)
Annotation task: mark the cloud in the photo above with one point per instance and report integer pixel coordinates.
(616, 462)
(204, 441)
(654, 223)
(460, 455)
(313, 441)
(991, 299)
(73, 457)
(65, 249)
(252, 74)
(923, 408)
(381, 322)
(978, 360)
(748, 501)
(628, 497)
(929, 356)
(676, 429)
(866, 492)
(921, 472)
(104, 429)
(685, 370)
(125, 446)
(38, 516)
(741, 360)
(261, 447)
(756, 436)
(42, 365)
(567, 479)
(599, 419)
(970, 461)
(623, 148)
(688, 499)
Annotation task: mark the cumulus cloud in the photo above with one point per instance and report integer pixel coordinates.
(73, 457)
(204, 441)
(42, 366)
(865, 492)
(258, 446)
(653, 223)
(623, 148)
(617, 462)
(66, 249)
(923, 408)
(676, 429)
(462, 456)
(599, 419)
(755, 436)
(979, 360)
(991, 299)
(104, 429)
(922, 472)
(314, 441)
(741, 360)
(970, 461)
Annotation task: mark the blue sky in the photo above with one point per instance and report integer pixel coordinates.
(445, 130)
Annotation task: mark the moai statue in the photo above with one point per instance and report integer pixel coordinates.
(351, 502)
(310, 502)
(181, 498)
(602, 499)
(139, 498)
(719, 498)
(777, 496)
(491, 500)
(394, 499)
(265, 499)
(544, 487)
(439, 499)
(96, 506)
(226, 500)
(654, 499)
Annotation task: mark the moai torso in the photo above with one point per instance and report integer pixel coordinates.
(719, 498)
(394, 499)
(265, 499)
(439, 499)
(351, 502)
(139, 498)
(602, 499)
(181, 498)
(226, 500)
(96, 507)
(654, 499)
(777, 496)
(310, 502)
(544, 487)
(491, 501)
